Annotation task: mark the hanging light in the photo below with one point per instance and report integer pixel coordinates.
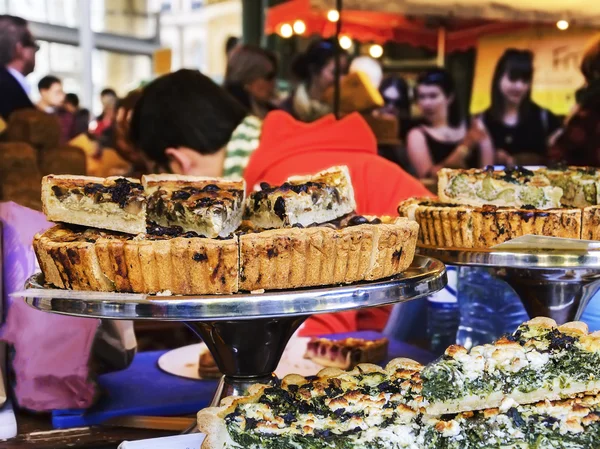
(562, 25)
(376, 51)
(286, 30)
(299, 27)
(345, 42)
(333, 15)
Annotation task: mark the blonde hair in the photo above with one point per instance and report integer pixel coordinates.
(590, 64)
(248, 63)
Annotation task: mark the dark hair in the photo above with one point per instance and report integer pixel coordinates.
(184, 109)
(108, 91)
(590, 64)
(443, 79)
(231, 43)
(72, 99)
(12, 31)
(402, 103)
(47, 82)
(518, 65)
(309, 64)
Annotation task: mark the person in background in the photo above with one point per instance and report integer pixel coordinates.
(395, 93)
(315, 69)
(231, 44)
(579, 142)
(445, 140)
(104, 122)
(250, 78)
(370, 67)
(52, 95)
(186, 124)
(519, 128)
(81, 116)
(17, 60)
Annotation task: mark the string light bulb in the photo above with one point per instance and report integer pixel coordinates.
(333, 15)
(562, 25)
(345, 42)
(299, 27)
(286, 30)
(376, 51)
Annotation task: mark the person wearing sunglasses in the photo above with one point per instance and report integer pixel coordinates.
(17, 60)
(250, 78)
(519, 128)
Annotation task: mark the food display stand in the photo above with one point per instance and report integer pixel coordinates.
(246, 333)
(554, 283)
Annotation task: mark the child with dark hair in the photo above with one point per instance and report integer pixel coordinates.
(519, 127)
(186, 124)
(444, 140)
(315, 70)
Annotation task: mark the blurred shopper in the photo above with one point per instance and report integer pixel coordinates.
(81, 117)
(105, 121)
(395, 93)
(52, 95)
(579, 143)
(445, 140)
(519, 127)
(370, 67)
(315, 69)
(250, 77)
(17, 60)
(231, 44)
(184, 123)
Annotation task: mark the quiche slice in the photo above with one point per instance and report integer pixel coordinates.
(506, 188)
(540, 361)
(580, 185)
(347, 353)
(368, 407)
(208, 206)
(569, 424)
(303, 200)
(116, 204)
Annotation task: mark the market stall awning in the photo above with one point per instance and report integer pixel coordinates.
(381, 26)
(581, 12)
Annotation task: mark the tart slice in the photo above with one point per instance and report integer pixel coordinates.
(572, 423)
(539, 361)
(116, 204)
(347, 353)
(580, 185)
(368, 407)
(505, 188)
(210, 207)
(303, 200)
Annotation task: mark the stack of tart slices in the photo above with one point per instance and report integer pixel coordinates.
(535, 389)
(482, 208)
(186, 235)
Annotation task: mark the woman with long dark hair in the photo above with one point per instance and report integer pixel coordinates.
(519, 127)
(444, 140)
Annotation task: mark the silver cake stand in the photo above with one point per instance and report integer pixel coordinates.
(554, 283)
(246, 333)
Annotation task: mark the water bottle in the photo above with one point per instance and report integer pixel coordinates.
(489, 307)
(443, 315)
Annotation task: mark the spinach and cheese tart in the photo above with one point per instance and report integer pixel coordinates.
(506, 188)
(303, 200)
(540, 361)
(116, 204)
(446, 225)
(568, 424)
(368, 407)
(208, 206)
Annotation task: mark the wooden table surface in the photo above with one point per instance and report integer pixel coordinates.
(35, 431)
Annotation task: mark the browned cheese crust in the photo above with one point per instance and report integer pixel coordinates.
(455, 226)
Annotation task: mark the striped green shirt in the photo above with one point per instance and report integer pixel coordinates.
(240, 147)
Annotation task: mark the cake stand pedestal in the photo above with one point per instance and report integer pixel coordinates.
(246, 333)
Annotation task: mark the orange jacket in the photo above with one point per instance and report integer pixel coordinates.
(289, 147)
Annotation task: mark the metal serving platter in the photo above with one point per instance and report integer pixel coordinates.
(425, 276)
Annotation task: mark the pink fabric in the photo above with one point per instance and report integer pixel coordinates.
(51, 351)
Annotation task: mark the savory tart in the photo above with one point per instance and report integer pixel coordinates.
(569, 424)
(347, 353)
(447, 225)
(368, 407)
(303, 200)
(210, 207)
(506, 188)
(540, 361)
(580, 185)
(91, 259)
(116, 204)
(356, 250)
